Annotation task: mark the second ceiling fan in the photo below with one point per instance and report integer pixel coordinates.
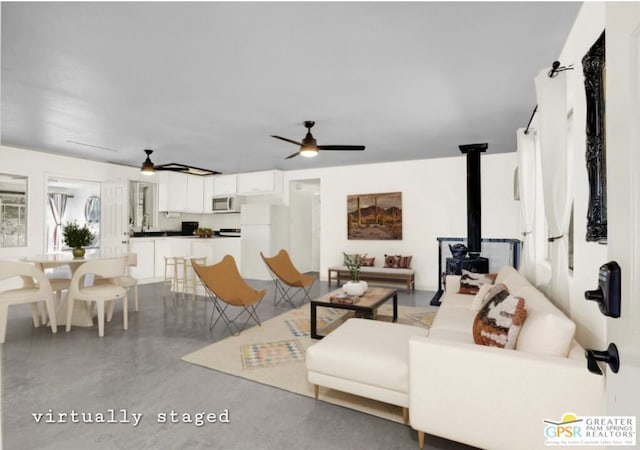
(309, 147)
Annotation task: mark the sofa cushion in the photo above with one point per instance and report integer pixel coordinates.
(451, 284)
(451, 335)
(513, 279)
(366, 351)
(546, 331)
(499, 321)
(480, 298)
(457, 319)
(470, 282)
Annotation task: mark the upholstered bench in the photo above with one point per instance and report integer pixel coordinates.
(382, 275)
(368, 358)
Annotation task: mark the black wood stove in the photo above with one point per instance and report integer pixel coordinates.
(472, 262)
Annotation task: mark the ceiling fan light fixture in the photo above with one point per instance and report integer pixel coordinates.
(148, 168)
(309, 152)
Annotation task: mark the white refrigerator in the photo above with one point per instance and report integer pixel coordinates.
(265, 228)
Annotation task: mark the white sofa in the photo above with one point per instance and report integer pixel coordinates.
(497, 398)
(487, 397)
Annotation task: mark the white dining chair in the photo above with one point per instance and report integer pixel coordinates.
(100, 292)
(126, 281)
(35, 289)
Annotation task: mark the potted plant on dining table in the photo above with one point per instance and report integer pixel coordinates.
(77, 237)
(355, 286)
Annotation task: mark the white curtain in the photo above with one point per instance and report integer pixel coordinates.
(58, 206)
(526, 153)
(551, 94)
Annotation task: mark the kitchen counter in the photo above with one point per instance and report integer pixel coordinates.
(137, 234)
(151, 251)
(137, 238)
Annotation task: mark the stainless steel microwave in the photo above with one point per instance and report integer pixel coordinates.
(227, 204)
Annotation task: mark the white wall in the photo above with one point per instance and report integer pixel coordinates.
(433, 195)
(37, 166)
(588, 256)
(433, 205)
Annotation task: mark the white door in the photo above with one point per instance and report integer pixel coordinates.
(315, 232)
(114, 217)
(623, 184)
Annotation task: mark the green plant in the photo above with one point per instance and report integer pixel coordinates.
(353, 263)
(202, 231)
(76, 236)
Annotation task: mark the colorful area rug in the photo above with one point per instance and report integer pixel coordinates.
(274, 354)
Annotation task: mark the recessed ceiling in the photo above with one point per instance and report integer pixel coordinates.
(206, 83)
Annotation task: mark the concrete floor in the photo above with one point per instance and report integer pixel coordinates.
(140, 371)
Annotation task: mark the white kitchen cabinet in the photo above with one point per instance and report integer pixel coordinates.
(145, 250)
(225, 185)
(180, 192)
(162, 249)
(214, 249)
(172, 195)
(195, 193)
(265, 182)
(207, 194)
(151, 253)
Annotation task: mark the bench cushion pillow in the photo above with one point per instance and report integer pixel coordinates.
(404, 262)
(391, 261)
(368, 262)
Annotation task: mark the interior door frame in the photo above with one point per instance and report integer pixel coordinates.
(623, 166)
(47, 177)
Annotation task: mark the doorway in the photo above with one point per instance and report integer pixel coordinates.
(304, 207)
(69, 200)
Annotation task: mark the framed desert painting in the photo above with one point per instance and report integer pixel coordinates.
(374, 216)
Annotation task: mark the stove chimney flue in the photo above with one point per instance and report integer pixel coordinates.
(474, 202)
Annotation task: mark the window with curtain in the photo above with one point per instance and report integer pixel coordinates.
(13, 211)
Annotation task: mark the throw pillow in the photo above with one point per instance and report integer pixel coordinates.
(404, 262)
(391, 261)
(470, 282)
(483, 294)
(368, 261)
(499, 321)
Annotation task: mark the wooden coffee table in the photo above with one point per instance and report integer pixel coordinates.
(366, 305)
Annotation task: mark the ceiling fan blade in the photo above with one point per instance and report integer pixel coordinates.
(286, 140)
(292, 155)
(340, 147)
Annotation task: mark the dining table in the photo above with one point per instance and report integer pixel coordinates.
(82, 315)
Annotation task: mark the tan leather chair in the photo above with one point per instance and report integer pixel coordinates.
(225, 287)
(287, 277)
(35, 289)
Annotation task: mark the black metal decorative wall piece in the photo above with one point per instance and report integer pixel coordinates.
(594, 69)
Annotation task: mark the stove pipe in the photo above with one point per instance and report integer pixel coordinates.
(474, 206)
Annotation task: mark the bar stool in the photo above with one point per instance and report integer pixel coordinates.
(174, 270)
(190, 277)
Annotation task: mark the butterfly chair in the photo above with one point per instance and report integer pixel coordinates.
(30, 292)
(99, 293)
(287, 277)
(225, 286)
